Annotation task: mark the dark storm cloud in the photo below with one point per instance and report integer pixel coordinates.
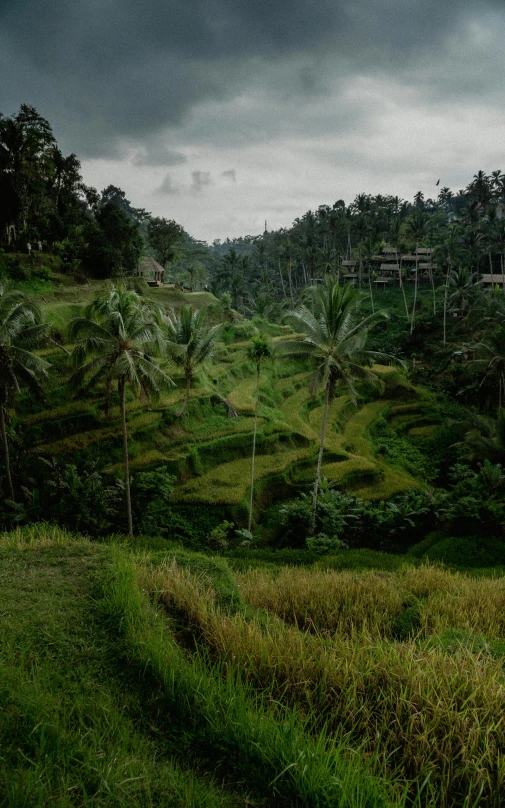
(103, 72)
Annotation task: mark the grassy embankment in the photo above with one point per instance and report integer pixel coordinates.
(103, 703)
(164, 678)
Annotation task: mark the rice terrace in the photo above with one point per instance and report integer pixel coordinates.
(252, 546)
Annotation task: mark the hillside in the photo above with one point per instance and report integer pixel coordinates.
(209, 452)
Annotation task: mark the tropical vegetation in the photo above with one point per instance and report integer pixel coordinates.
(252, 523)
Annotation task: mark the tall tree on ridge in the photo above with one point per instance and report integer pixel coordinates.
(117, 342)
(336, 340)
(20, 331)
(257, 352)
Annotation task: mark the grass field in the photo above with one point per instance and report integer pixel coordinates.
(164, 678)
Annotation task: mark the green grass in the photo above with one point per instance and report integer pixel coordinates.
(73, 727)
(139, 673)
(101, 706)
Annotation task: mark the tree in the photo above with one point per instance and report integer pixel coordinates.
(463, 289)
(497, 244)
(189, 343)
(448, 253)
(166, 237)
(486, 439)
(416, 227)
(115, 243)
(117, 342)
(258, 351)
(26, 144)
(490, 357)
(336, 340)
(20, 330)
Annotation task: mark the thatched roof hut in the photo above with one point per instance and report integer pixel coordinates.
(150, 270)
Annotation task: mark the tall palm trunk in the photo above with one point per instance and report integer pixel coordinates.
(290, 282)
(402, 285)
(370, 286)
(126, 463)
(254, 446)
(446, 292)
(320, 455)
(432, 279)
(6, 451)
(187, 394)
(282, 279)
(415, 295)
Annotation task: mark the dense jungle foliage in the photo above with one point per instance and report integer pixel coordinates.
(400, 425)
(252, 515)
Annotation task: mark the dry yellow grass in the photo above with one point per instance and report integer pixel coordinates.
(433, 716)
(343, 603)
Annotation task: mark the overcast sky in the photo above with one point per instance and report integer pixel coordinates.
(222, 114)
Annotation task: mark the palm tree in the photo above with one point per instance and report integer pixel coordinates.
(449, 253)
(486, 438)
(416, 227)
(117, 342)
(189, 343)
(463, 288)
(258, 351)
(336, 340)
(497, 244)
(490, 357)
(369, 248)
(20, 330)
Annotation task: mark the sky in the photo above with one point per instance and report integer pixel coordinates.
(224, 114)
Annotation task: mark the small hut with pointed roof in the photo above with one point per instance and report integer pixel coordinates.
(150, 270)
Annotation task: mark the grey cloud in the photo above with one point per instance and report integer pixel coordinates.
(230, 174)
(158, 154)
(124, 70)
(167, 186)
(200, 180)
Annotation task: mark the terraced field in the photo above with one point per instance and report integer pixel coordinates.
(209, 452)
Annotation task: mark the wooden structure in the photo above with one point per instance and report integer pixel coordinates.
(381, 282)
(496, 279)
(150, 270)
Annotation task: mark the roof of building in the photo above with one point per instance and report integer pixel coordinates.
(148, 264)
(495, 278)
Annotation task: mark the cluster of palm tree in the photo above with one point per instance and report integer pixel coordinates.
(122, 342)
(465, 230)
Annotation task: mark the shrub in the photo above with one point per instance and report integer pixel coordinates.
(321, 544)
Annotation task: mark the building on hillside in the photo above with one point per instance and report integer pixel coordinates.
(496, 279)
(150, 270)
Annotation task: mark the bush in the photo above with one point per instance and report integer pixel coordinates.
(322, 544)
